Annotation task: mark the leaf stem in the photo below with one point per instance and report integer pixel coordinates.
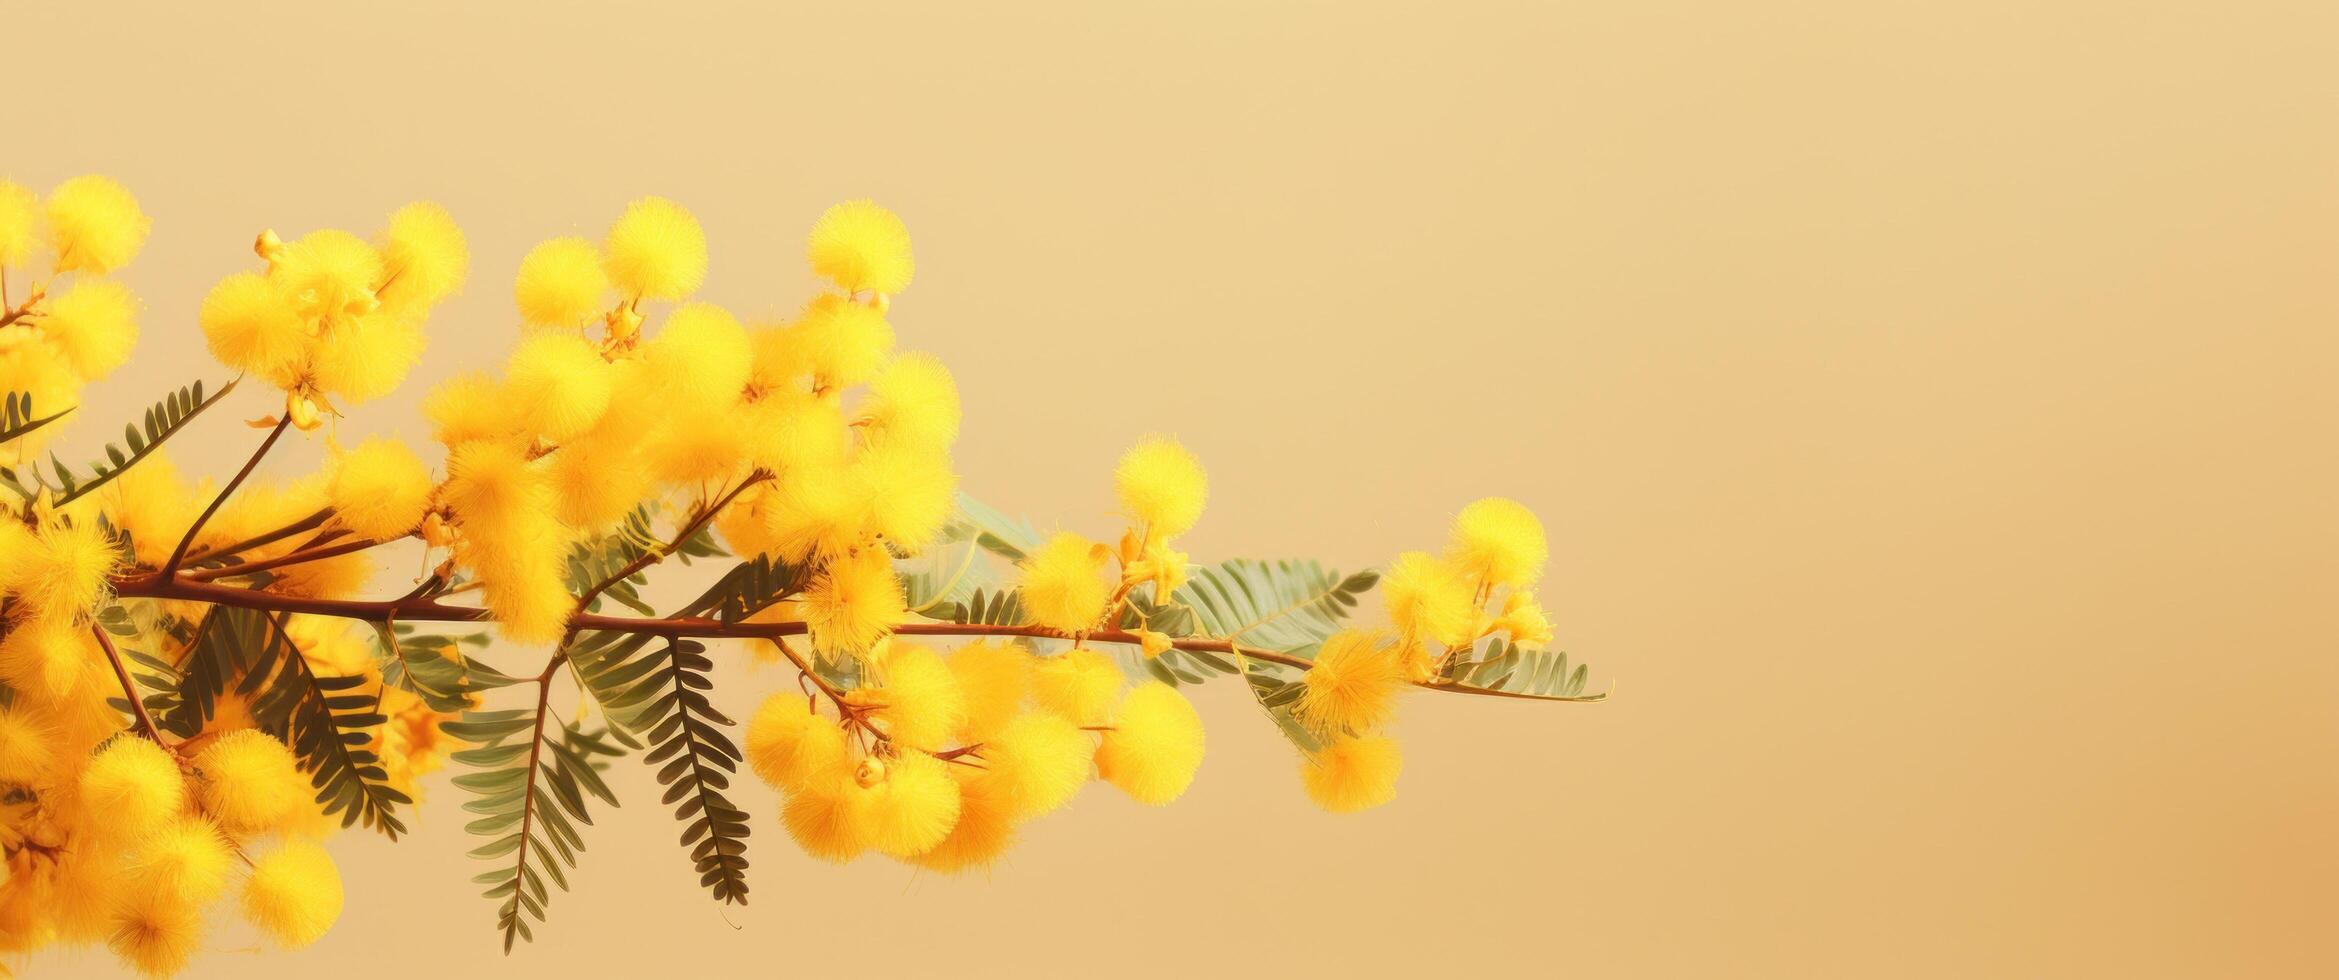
(179, 555)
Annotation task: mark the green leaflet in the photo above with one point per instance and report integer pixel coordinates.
(658, 690)
(17, 419)
(1497, 664)
(515, 769)
(164, 419)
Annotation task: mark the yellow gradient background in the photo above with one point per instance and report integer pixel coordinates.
(1932, 406)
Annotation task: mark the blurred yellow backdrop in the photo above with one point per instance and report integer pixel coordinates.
(1932, 406)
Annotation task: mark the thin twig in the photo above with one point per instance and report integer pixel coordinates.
(178, 555)
(129, 690)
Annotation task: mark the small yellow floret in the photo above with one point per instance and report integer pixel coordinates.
(788, 744)
(854, 603)
(251, 782)
(379, 490)
(1500, 541)
(656, 250)
(1353, 685)
(828, 815)
(914, 808)
(995, 677)
(250, 325)
(840, 343)
(859, 245)
(1428, 598)
(984, 831)
(68, 570)
(470, 407)
(94, 325)
(1353, 773)
(913, 402)
(561, 284)
(1035, 764)
(922, 702)
(907, 494)
(95, 226)
(559, 383)
(294, 894)
(156, 935)
(1154, 746)
(25, 750)
(1162, 486)
(426, 255)
(700, 357)
(1524, 619)
(366, 357)
(1079, 685)
(186, 860)
(1064, 586)
(130, 787)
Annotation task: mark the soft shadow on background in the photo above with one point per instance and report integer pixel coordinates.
(1933, 412)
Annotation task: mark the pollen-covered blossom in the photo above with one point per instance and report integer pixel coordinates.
(203, 683)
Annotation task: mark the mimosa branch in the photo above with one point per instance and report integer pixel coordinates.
(179, 555)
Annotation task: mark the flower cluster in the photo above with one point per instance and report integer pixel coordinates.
(76, 325)
(196, 693)
(1440, 607)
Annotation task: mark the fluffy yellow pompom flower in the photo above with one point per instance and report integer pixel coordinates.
(656, 250)
(19, 220)
(1162, 485)
(250, 325)
(95, 225)
(294, 894)
(185, 860)
(922, 704)
(503, 504)
(560, 284)
(468, 408)
(1353, 685)
(1429, 598)
(25, 750)
(67, 570)
(856, 601)
(984, 831)
(1353, 773)
(1154, 746)
(700, 357)
(907, 494)
(1080, 685)
(994, 677)
(859, 245)
(426, 255)
(94, 324)
(156, 935)
(787, 744)
(913, 403)
(1035, 764)
(1499, 540)
(130, 787)
(251, 782)
(49, 655)
(559, 383)
(367, 357)
(814, 513)
(1523, 618)
(379, 490)
(330, 274)
(828, 815)
(1064, 584)
(840, 343)
(914, 807)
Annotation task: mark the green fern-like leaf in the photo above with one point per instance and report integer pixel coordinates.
(1500, 665)
(166, 418)
(529, 791)
(748, 588)
(659, 692)
(17, 419)
(1274, 605)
